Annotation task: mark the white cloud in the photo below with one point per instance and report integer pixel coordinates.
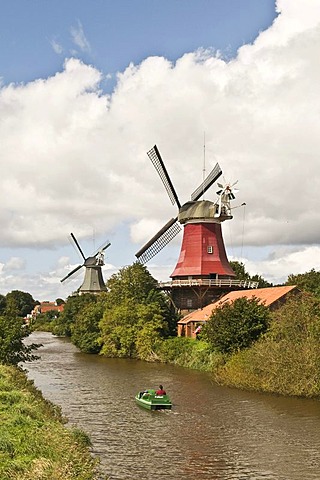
(14, 263)
(79, 38)
(277, 266)
(74, 158)
(56, 46)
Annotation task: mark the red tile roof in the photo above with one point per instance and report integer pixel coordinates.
(268, 296)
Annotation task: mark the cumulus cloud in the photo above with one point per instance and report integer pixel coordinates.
(281, 263)
(14, 263)
(74, 157)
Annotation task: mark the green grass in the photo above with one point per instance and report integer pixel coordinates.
(34, 443)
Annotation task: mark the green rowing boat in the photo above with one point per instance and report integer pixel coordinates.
(150, 400)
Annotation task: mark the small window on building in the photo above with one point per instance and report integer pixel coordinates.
(210, 249)
(189, 302)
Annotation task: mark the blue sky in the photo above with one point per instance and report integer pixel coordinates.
(115, 33)
(87, 88)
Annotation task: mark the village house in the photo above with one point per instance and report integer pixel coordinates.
(271, 297)
(44, 307)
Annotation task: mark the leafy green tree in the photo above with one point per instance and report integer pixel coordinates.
(60, 301)
(85, 330)
(126, 321)
(308, 282)
(13, 331)
(132, 330)
(239, 270)
(74, 305)
(133, 282)
(262, 283)
(242, 274)
(236, 325)
(45, 322)
(149, 337)
(2, 304)
(23, 301)
(118, 330)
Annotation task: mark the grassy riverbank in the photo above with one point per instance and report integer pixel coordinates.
(34, 443)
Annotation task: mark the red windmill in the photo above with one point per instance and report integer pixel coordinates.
(202, 272)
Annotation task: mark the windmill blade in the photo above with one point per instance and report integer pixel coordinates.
(107, 245)
(71, 273)
(211, 178)
(102, 248)
(158, 164)
(159, 241)
(76, 242)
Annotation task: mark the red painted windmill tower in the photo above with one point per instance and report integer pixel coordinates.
(202, 272)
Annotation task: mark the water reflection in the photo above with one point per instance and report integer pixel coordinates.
(211, 432)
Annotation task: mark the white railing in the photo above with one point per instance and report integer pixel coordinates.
(219, 282)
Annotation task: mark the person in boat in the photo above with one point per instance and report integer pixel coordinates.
(161, 391)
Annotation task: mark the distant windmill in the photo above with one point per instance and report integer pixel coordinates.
(202, 255)
(93, 280)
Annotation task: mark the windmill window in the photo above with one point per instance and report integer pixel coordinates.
(209, 249)
(189, 302)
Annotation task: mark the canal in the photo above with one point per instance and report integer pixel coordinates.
(211, 433)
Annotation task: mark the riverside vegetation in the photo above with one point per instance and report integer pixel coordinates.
(242, 345)
(34, 442)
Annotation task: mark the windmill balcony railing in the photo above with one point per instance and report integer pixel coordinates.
(206, 282)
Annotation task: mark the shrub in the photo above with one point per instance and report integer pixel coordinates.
(235, 326)
(188, 352)
(286, 360)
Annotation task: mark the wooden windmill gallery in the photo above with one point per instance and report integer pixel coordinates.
(202, 273)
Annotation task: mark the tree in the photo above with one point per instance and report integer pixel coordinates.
(242, 274)
(13, 331)
(60, 301)
(85, 332)
(132, 330)
(308, 282)
(235, 326)
(239, 270)
(23, 301)
(2, 304)
(133, 282)
(74, 305)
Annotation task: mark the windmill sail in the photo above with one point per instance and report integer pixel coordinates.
(77, 244)
(211, 178)
(93, 281)
(71, 273)
(158, 164)
(172, 228)
(159, 241)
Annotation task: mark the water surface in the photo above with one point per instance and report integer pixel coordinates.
(211, 433)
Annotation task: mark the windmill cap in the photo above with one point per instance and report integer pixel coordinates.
(201, 210)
